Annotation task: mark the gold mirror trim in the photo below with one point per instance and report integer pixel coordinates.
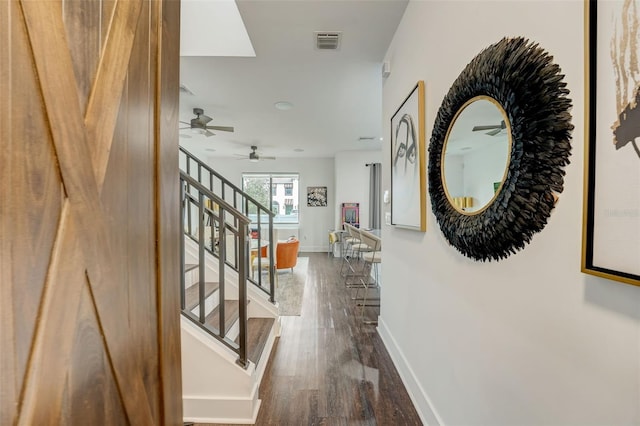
(506, 166)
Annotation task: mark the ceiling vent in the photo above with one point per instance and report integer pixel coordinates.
(328, 40)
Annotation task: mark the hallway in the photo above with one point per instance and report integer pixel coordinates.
(328, 368)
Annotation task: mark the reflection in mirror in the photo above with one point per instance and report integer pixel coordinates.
(476, 155)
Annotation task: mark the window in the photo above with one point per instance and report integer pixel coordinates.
(263, 187)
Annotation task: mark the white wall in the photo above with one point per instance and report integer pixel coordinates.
(352, 175)
(314, 221)
(528, 340)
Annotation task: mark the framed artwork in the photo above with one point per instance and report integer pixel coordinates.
(611, 220)
(351, 214)
(408, 163)
(316, 196)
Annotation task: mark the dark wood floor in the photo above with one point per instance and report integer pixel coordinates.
(328, 368)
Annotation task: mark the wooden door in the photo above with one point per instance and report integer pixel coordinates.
(89, 208)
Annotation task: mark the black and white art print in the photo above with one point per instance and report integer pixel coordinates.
(408, 163)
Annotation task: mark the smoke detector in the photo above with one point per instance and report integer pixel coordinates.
(328, 40)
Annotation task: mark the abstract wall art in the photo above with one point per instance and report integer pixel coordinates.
(611, 223)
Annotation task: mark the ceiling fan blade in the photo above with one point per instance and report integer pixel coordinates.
(494, 132)
(207, 133)
(221, 128)
(478, 128)
(204, 119)
(184, 128)
(185, 122)
(267, 158)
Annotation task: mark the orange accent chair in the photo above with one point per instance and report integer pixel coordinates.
(287, 254)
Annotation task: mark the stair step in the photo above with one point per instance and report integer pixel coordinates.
(258, 330)
(192, 294)
(231, 315)
(189, 266)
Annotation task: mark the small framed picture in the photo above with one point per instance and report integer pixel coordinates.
(317, 196)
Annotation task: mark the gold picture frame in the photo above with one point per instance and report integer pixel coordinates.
(611, 212)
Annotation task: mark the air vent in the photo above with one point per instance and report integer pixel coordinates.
(185, 90)
(328, 40)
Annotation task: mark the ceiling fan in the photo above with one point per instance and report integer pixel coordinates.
(494, 129)
(199, 124)
(254, 156)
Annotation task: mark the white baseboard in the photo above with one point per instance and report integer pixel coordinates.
(427, 412)
(219, 410)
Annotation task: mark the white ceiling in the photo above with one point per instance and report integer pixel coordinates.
(337, 95)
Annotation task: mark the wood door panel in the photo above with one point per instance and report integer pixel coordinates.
(45, 380)
(9, 388)
(93, 396)
(33, 194)
(108, 7)
(140, 82)
(84, 301)
(102, 110)
(83, 25)
(168, 224)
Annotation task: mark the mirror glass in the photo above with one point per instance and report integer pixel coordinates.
(475, 158)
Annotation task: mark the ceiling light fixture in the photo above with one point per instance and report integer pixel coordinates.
(283, 105)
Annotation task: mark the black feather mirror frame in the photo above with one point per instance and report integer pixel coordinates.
(522, 78)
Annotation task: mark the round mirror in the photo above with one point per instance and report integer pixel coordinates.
(476, 155)
(515, 98)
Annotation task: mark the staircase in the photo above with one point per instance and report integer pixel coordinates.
(229, 317)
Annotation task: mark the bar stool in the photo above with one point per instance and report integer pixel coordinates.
(347, 244)
(356, 248)
(333, 240)
(371, 259)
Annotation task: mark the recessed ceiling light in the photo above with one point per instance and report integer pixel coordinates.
(298, 150)
(283, 105)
